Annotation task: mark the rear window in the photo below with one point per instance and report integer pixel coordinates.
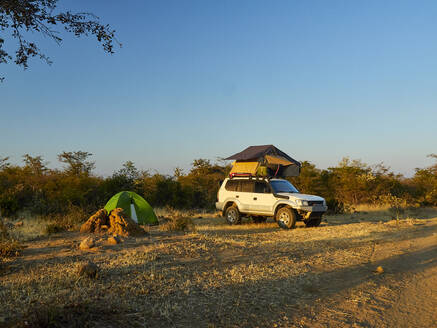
(231, 185)
(247, 186)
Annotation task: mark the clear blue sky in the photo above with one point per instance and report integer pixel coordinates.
(201, 79)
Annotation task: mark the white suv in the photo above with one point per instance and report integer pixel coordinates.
(261, 198)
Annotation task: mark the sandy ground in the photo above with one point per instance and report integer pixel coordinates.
(252, 275)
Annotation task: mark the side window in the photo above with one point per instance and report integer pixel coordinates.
(231, 185)
(247, 186)
(261, 187)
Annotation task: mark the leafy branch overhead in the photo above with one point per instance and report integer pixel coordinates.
(22, 16)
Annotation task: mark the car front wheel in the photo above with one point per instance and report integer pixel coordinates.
(286, 218)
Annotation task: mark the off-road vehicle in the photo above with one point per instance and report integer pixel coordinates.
(262, 198)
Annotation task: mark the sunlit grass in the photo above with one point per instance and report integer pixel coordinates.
(239, 271)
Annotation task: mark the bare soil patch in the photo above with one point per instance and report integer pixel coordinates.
(251, 275)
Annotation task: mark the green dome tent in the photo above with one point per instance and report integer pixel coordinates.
(134, 206)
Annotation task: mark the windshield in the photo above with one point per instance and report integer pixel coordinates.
(283, 186)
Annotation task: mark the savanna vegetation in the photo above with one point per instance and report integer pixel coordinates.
(214, 274)
(36, 189)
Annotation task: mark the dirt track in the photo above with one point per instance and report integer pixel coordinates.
(405, 295)
(244, 276)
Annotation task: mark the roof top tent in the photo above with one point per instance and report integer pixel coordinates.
(266, 160)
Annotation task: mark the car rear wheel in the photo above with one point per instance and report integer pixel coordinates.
(286, 218)
(232, 215)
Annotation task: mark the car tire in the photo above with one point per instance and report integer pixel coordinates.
(232, 215)
(286, 218)
(313, 223)
(259, 219)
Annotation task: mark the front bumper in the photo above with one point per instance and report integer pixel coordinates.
(314, 208)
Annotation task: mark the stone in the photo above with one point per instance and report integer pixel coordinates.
(87, 243)
(379, 270)
(89, 270)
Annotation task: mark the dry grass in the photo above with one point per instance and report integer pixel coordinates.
(32, 228)
(167, 212)
(8, 245)
(10, 248)
(177, 223)
(216, 276)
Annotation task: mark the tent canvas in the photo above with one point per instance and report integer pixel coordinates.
(244, 167)
(143, 212)
(278, 160)
(266, 156)
(257, 152)
(133, 213)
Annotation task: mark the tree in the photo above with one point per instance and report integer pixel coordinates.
(178, 172)
(351, 180)
(129, 171)
(309, 180)
(35, 164)
(425, 183)
(77, 163)
(22, 16)
(123, 179)
(4, 162)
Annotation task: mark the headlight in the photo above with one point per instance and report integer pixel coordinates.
(302, 202)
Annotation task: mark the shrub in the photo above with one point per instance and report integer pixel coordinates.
(74, 217)
(335, 206)
(3, 231)
(178, 223)
(8, 245)
(54, 228)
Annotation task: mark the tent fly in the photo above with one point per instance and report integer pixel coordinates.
(265, 161)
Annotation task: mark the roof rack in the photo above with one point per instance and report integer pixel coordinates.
(249, 176)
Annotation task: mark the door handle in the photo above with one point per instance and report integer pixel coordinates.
(254, 198)
(237, 196)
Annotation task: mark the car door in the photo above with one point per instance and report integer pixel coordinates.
(263, 198)
(231, 190)
(245, 195)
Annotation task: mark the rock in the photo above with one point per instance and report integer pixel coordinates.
(87, 243)
(114, 240)
(379, 270)
(89, 270)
